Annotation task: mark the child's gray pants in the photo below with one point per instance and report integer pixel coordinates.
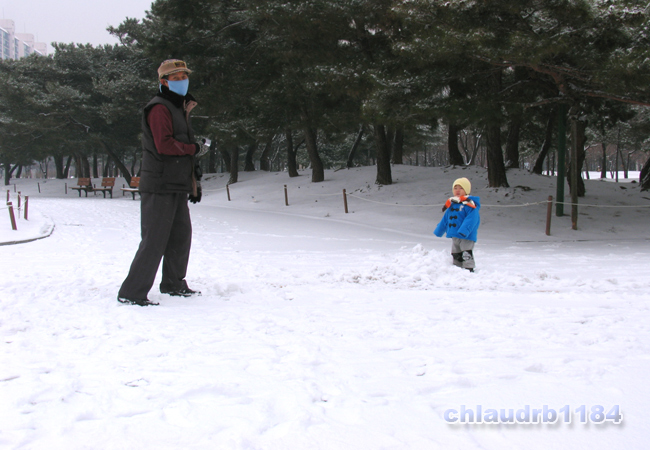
(462, 251)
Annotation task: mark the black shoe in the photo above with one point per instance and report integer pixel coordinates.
(136, 301)
(185, 292)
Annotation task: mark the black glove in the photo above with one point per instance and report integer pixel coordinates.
(196, 198)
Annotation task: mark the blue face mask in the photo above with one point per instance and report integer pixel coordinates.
(179, 87)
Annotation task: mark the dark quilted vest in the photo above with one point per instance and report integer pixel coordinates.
(165, 174)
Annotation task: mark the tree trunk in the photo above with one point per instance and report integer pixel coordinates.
(234, 164)
(225, 155)
(118, 163)
(620, 152)
(58, 166)
(265, 158)
(95, 166)
(578, 147)
(86, 166)
(249, 165)
(212, 156)
(66, 171)
(354, 148)
(8, 172)
(384, 176)
(107, 166)
(644, 176)
(512, 143)
(398, 146)
(538, 168)
(317, 171)
(496, 167)
(603, 168)
(455, 157)
(292, 165)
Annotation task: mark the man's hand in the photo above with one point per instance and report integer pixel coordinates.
(196, 198)
(201, 149)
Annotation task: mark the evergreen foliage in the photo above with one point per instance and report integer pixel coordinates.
(341, 82)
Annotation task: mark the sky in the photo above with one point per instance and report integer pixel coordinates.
(76, 21)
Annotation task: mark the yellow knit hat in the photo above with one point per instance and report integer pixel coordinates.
(464, 183)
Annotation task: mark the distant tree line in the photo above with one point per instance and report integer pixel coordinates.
(336, 83)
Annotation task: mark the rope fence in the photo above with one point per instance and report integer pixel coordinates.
(10, 207)
(549, 202)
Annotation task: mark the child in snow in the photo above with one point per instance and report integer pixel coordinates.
(460, 222)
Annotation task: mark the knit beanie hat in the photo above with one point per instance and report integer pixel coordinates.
(464, 183)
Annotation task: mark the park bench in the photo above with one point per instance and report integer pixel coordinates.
(134, 187)
(83, 184)
(107, 186)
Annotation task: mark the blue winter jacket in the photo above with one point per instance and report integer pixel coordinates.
(460, 221)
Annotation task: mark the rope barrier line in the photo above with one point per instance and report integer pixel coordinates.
(213, 190)
(602, 206)
(323, 195)
(522, 205)
(544, 202)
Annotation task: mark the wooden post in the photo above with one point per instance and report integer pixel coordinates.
(39, 187)
(66, 188)
(228, 191)
(286, 196)
(345, 201)
(8, 195)
(11, 216)
(19, 201)
(549, 214)
(26, 205)
(14, 188)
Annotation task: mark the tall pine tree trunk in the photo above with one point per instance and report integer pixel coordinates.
(265, 158)
(58, 165)
(496, 167)
(384, 176)
(538, 168)
(120, 165)
(644, 176)
(354, 148)
(398, 145)
(455, 157)
(317, 170)
(225, 155)
(8, 172)
(603, 168)
(212, 156)
(512, 143)
(579, 147)
(292, 165)
(249, 164)
(234, 165)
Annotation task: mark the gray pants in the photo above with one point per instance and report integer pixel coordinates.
(462, 252)
(166, 231)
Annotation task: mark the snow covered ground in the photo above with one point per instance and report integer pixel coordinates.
(324, 330)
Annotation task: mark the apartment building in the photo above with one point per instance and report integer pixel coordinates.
(17, 45)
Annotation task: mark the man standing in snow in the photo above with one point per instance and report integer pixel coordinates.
(166, 179)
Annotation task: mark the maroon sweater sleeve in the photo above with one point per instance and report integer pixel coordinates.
(160, 122)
